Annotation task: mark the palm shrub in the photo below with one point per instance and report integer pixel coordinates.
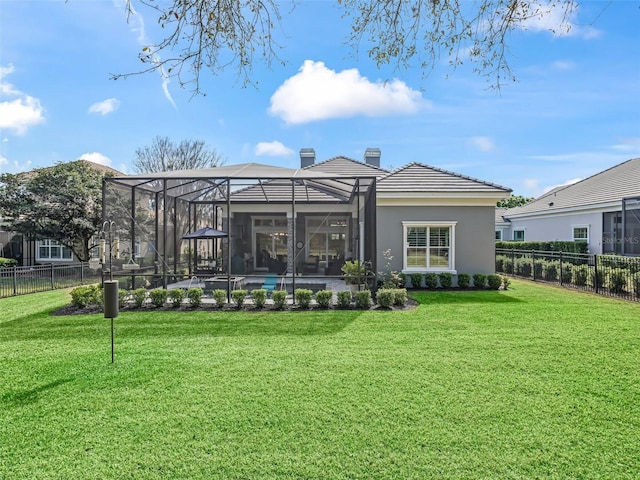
(238, 297)
(323, 298)
(479, 280)
(566, 276)
(259, 297)
(344, 299)
(303, 297)
(400, 296)
(363, 299)
(523, 267)
(464, 280)
(194, 294)
(508, 265)
(446, 279)
(139, 297)
(158, 297)
(580, 274)
(176, 297)
(550, 270)
(494, 281)
(416, 280)
(618, 280)
(220, 297)
(431, 280)
(385, 297)
(279, 299)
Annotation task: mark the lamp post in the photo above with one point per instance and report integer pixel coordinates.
(110, 287)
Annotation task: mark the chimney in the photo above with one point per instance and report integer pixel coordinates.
(307, 157)
(372, 156)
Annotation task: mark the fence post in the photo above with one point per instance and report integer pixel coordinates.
(52, 285)
(561, 268)
(595, 272)
(513, 262)
(82, 272)
(15, 280)
(533, 264)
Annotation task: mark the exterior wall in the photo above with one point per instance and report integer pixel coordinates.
(474, 246)
(560, 227)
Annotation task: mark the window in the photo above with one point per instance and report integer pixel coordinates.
(581, 234)
(518, 235)
(498, 235)
(429, 246)
(47, 250)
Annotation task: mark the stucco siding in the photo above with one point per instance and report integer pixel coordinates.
(474, 234)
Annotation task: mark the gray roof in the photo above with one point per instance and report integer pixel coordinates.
(607, 187)
(419, 178)
(347, 167)
(500, 215)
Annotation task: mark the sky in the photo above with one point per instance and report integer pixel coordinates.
(573, 111)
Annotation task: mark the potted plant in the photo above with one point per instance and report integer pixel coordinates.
(355, 274)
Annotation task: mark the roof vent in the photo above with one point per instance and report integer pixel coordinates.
(372, 157)
(307, 157)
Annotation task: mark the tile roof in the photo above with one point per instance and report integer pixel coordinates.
(347, 167)
(609, 186)
(419, 178)
(500, 214)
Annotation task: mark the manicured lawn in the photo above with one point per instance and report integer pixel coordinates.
(534, 382)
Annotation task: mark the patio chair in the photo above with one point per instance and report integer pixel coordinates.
(270, 283)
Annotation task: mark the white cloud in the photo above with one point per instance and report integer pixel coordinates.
(96, 157)
(272, 149)
(627, 144)
(105, 107)
(568, 182)
(3, 161)
(318, 93)
(484, 144)
(18, 114)
(555, 17)
(563, 65)
(531, 183)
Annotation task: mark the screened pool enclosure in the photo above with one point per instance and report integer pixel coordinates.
(238, 225)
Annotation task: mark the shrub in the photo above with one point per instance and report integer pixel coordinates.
(303, 297)
(580, 274)
(363, 299)
(416, 280)
(176, 296)
(538, 267)
(551, 270)
(259, 297)
(139, 297)
(194, 294)
(522, 267)
(464, 279)
(506, 281)
(636, 283)
(494, 281)
(279, 299)
(618, 280)
(344, 299)
(238, 297)
(323, 298)
(8, 262)
(446, 279)
(508, 266)
(85, 295)
(431, 280)
(400, 297)
(158, 297)
(566, 275)
(220, 297)
(385, 297)
(122, 297)
(402, 277)
(500, 262)
(479, 280)
(598, 278)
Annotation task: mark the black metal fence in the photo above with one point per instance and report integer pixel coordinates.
(609, 275)
(41, 278)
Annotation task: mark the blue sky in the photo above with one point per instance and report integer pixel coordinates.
(574, 111)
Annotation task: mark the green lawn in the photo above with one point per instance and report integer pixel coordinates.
(534, 382)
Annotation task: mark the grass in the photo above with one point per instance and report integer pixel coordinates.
(534, 382)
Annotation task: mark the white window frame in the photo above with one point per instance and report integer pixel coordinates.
(451, 225)
(66, 255)
(498, 235)
(573, 233)
(524, 234)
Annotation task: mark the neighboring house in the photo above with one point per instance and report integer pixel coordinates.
(502, 225)
(312, 219)
(602, 210)
(32, 252)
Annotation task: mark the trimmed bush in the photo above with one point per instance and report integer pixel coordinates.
(508, 266)
(176, 297)
(139, 296)
(464, 280)
(522, 267)
(416, 280)
(555, 246)
(85, 295)
(279, 299)
(303, 297)
(194, 294)
(479, 280)
(618, 280)
(431, 280)
(158, 297)
(506, 281)
(220, 297)
(323, 298)
(402, 277)
(259, 297)
(400, 297)
(344, 299)
(363, 299)
(500, 262)
(446, 279)
(238, 297)
(580, 275)
(8, 262)
(566, 275)
(385, 297)
(538, 266)
(494, 281)
(551, 271)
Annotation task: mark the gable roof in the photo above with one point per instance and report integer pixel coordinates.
(421, 178)
(347, 167)
(500, 215)
(605, 188)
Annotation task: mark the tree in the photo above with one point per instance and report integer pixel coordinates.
(217, 34)
(164, 155)
(514, 201)
(62, 203)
